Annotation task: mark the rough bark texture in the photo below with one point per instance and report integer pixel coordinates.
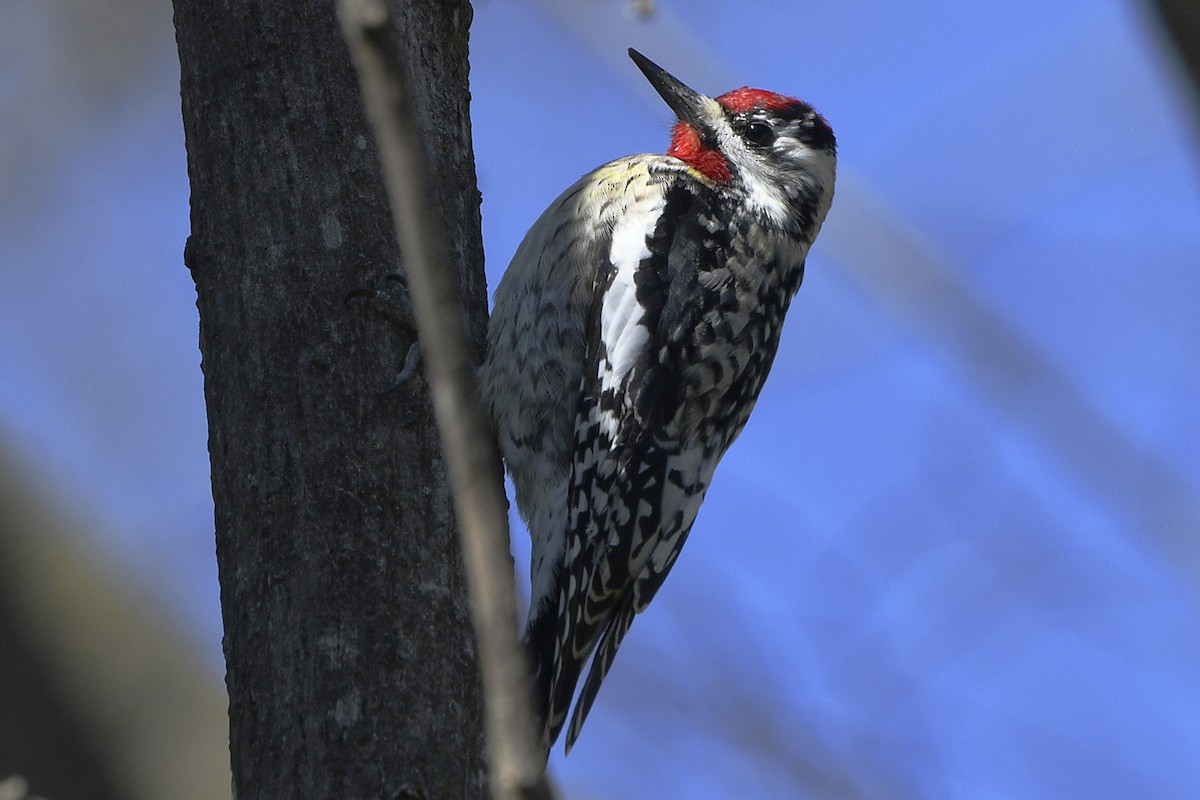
(350, 660)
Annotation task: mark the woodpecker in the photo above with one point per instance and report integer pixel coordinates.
(629, 340)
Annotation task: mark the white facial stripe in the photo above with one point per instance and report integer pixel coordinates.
(763, 191)
(793, 168)
(818, 165)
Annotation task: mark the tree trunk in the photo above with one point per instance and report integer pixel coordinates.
(350, 658)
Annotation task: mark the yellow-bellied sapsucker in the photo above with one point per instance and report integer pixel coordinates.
(630, 338)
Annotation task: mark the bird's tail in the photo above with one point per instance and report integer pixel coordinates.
(560, 650)
(539, 648)
(559, 655)
(606, 651)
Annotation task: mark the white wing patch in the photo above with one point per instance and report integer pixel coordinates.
(621, 330)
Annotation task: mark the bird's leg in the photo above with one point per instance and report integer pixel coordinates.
(394, 304)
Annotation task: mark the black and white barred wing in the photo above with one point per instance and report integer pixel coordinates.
(642, 461)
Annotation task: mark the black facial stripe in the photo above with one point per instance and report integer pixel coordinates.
(801, 120)
(776, 117)
(816, 133)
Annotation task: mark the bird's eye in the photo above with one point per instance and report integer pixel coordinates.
(760, 134)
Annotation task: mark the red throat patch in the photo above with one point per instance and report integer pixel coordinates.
(687, 146)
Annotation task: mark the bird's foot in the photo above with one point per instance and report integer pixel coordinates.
(392, 301)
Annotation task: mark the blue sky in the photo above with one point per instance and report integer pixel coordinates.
(954, 554)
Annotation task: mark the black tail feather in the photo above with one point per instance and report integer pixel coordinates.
(539, 648)
(606, 651)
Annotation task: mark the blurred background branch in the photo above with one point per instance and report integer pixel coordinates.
(1181, 21)
(100, 696)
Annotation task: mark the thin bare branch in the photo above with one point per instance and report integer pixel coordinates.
(471, 455)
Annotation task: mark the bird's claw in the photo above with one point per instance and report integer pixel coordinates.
(412, 360)
(394, 304)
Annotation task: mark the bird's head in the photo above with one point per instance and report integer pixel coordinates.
(775, 150)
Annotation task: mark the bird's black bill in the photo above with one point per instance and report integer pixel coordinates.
(687, 104)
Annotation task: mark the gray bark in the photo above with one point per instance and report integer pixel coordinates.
(351, 665)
